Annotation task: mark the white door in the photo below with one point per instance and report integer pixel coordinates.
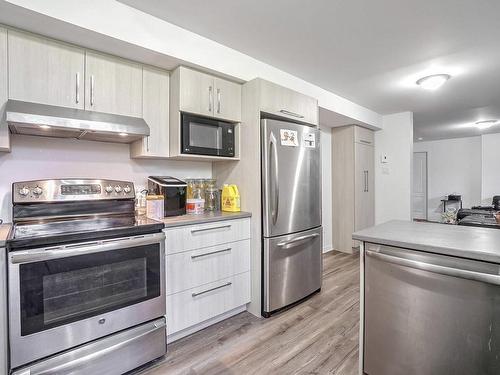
(196, 92)
(419, 194)
(227, 100)
(364, 203)
(45, 71)
(113, 85)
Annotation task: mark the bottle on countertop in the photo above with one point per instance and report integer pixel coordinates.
(230, 198)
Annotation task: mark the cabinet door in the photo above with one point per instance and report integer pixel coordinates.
(364, 190)
(196, 92)
(4, 129)
(284, 102)
(155, 96)
(113, 85)
(227, 100)
(45, 71)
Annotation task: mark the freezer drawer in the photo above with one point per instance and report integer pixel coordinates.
(292, 268)
(429, 314)
(291, 179)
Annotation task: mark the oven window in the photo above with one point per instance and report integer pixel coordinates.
(61, 291)
(205, 136)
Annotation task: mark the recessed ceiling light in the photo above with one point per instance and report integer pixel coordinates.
(123, 134)
(485, 124)
(433, 82)
(420, 139)
(44, 126)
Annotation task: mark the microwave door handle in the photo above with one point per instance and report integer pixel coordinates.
(274, 163)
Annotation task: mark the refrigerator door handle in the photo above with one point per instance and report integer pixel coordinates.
(297, 239)
(274, 153)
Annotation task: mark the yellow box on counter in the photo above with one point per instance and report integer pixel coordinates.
(230, 198)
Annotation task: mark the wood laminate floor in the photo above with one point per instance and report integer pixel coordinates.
(319, 336)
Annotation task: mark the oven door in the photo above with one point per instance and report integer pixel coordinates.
(61, 297)
(204, 136)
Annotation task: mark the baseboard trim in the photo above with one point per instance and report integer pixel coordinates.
(207, 323)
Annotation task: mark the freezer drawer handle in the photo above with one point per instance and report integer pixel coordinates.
(210, 253)
(212, 228)
(455, 272)
(211, 289)
(298, 239)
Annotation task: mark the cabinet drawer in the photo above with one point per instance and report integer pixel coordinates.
(196, 305)
(363, 135)
(199, 267)
(205, 235)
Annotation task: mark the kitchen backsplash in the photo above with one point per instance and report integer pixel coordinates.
(38, 158)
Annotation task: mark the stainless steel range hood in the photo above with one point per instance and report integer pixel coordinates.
(51, 121)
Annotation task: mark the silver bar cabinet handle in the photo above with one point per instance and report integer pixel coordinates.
(434, 268)
(367, 187)
(289, 113)
(210, 253)
(211, 289)
(211, 228)
(91, 90)
(298, 239)
(77, 88)
(210, 99)
(218, 100)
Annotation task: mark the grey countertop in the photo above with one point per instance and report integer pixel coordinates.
(208, 217)
(4, 233)
(456, 240)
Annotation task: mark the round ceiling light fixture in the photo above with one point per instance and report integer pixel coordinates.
(433, 82)
(485, 124)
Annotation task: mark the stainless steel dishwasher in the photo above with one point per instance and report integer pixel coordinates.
(429, 314)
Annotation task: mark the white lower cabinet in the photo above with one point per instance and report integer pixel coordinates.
(193, 306)
(208, 273)
(199, 267)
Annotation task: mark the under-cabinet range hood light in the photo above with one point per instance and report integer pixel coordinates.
(52, 121)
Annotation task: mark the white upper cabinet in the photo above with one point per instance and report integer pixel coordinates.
(155, 96)
(45, 71)
(196, 92)
(281, 101)
(206, 95)
(4, 129)
(113, 85)
(227, 100)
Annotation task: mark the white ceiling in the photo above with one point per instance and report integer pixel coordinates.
(370, 52)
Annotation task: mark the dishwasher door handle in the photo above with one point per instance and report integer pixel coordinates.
(435, 268)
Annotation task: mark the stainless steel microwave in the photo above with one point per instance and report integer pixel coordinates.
(206, 136)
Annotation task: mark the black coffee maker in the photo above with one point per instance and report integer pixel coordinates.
(173, 191)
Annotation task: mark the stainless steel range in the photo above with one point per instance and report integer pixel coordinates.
(86, 279)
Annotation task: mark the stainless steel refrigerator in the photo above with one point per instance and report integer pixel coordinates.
(291, 213)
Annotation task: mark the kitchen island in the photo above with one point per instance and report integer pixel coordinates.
(430, 299)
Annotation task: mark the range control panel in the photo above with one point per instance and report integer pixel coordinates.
(71, 190)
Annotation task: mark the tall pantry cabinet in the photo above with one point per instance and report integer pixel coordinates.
(353, 195)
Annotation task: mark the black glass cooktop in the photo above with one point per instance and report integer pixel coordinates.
(73, 230)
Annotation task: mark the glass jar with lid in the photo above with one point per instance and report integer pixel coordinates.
(190, 187)
(211, 199)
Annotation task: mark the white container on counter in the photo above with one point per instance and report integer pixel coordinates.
(154, 206)
(195, 206)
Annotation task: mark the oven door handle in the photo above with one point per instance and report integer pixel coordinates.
(64, 251)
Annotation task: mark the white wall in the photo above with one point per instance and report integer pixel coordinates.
(37, 158)
(453, 166)
(326, 184)
(159, 41)
(393, 180)
(490, 167)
